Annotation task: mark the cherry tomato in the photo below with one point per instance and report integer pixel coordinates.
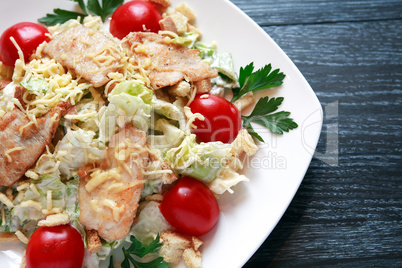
(59, 246)
(135, 16)
(222, 119)
(28, 36)
(190, 207)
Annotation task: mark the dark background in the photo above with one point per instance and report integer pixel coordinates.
(348, 209)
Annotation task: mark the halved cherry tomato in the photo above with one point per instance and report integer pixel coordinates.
(28, 36)
(190, 207)
(135, 16)
(59, 246)
(222, 119)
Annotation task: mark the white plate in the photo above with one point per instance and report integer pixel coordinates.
(249, 215)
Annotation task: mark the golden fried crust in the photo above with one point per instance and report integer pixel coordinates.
(109, 195)
(171, 63)
(22, 142)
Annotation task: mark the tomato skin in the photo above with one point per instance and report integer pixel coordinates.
(131, 16)
(58, 246)
(190, 207)
(222, 119)
(28, 36)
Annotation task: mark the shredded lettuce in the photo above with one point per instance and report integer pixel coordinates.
(133, 89)
(26, 217)
(128, 103)
(6, 99)
(188, 39)
(223, 62)
(171, 135)
(151, 187)
(76, 149)
(150, 223)
(202, 161)
(35, 84)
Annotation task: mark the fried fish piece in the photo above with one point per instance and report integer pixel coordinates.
(87, 52)
(22, 141)
(170, 63)
(110, 193)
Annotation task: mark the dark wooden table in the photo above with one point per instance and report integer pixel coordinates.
(348, 209)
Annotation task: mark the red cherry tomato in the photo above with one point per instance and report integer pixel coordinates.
(135, 16)
(190, 207)
(59, 246)
(222, 119)
(28, 36)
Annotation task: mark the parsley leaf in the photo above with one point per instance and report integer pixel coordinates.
(109, 6)
(111, 262)
(59, 16)
(81, 3)
(258, 80)
(277, 123)
(93, 6)
(137, 249)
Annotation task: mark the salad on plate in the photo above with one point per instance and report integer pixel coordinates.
(116, 141)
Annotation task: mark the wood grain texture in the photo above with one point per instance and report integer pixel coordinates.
(348, 214)
(289, 12)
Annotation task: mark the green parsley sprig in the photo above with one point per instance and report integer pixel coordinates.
(137, 249)
(262, 113)
(103, 9)
(258, 80)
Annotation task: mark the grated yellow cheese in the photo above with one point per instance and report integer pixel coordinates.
(55, 220)
(99, 177)
(115, 209)
(34, 189)
(22, 237)
(9, 151)
(31, 204)
(49, 201)
(47, 212)
(32, 175)
(23, 186)
(6, 201)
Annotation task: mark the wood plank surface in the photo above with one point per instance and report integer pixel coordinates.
(348, 210)
(288, 12)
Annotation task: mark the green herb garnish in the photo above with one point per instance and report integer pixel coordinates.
(258, 80)
(94, 7)
(262, 114)
(139, 250)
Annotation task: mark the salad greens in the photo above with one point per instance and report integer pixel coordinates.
(139, 250)
(258, 80)
(277, 123)
(103, 9)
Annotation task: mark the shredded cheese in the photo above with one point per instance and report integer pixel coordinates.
(6, 201)
(22, 237)
(23, 186)
(115, 209)
(49, 201)
(9, 151)
(32, 175)
(31, 204)
(55, 220)
(34, 189)
(99, 177)
(47, 212)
